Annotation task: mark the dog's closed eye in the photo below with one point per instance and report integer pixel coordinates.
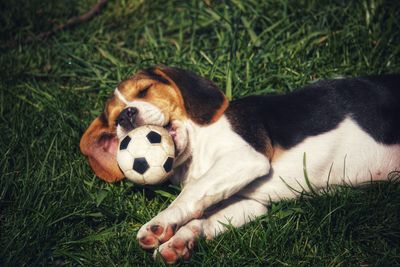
(143, 92)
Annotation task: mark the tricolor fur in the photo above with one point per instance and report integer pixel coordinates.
(234, 158)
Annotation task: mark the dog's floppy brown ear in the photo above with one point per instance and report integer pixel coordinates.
(203, 100)
(100, 147)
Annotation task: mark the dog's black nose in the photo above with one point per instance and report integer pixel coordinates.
(127, 118)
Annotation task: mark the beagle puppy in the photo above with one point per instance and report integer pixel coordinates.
(233, 159)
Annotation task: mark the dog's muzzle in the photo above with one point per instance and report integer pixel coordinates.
(127, 118)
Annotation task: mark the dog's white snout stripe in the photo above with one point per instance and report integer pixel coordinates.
(118, 94)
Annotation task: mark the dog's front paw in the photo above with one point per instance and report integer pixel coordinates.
(161, 228)
(152, 234)
(178, 247)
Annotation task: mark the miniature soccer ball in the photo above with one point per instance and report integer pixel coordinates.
(146, 155)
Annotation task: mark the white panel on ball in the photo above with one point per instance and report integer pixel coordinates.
(125, 160)
(135, 177)
(138, 146)
(153, 174)
(168, 145)
(156, 156)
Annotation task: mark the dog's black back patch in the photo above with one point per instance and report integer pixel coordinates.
(373, 102)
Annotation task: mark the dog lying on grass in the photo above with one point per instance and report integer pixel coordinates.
(233, 159)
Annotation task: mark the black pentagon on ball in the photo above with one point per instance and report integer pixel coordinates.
(124, 143)
(140, 165)
(168, 164)
(154, 137)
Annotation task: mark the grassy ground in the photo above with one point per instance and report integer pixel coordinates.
(54, 211)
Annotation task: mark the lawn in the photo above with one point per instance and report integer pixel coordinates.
(54, 211)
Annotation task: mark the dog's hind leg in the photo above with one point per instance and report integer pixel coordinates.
(234, 211)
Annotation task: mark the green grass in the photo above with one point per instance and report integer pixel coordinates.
(54, 211)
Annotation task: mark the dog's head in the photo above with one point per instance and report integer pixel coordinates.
(156, 96)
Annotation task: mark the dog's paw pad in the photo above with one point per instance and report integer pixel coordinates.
(150, 236)
(175, 249)
(148, 242)
(178, 244)
(169, 255)
(156, 229)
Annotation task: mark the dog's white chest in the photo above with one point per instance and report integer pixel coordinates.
(208, 144)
